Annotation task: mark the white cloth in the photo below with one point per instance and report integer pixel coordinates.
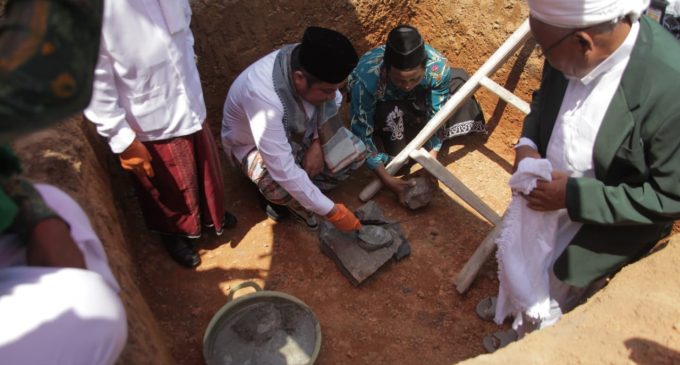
(60, 315)
(525, 249)
(673, 8)
(253, 118)
(175, 15)
(584, 13)
(146, 81)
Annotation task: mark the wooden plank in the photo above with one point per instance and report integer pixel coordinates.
(506, 95)
(507, 49)
(453, 183)
(469, 272)
(471, 268)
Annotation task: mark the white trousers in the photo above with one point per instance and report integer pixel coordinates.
(60, 315)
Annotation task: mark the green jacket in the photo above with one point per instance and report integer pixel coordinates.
(635, 196)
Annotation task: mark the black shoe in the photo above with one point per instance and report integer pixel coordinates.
(229, 222)
(182, 251)
(276, 212)
(306, 217)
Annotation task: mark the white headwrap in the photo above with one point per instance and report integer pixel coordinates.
(584, 13)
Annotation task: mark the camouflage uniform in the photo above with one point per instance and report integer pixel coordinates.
(48, 52)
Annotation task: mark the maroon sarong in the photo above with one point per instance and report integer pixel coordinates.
(187, 185)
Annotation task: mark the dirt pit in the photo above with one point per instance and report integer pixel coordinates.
(407, 313)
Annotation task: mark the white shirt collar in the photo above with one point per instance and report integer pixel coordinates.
(617, 58)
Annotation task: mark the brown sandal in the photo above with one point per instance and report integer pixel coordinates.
(499, 340)
(486, 308)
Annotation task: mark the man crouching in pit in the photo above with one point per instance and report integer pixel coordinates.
(282, 127)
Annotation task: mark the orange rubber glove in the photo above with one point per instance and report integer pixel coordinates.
(136, 158)
(343, 219)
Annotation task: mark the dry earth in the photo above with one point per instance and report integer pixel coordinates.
(409, 312)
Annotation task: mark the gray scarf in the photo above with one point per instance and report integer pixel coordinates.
(340, 146)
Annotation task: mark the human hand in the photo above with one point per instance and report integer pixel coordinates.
(523, 152)
(313, 162)
(399, 187)
(396, 185)
(50, 244)
(434, 153)
(343, 219)
(549, 195)
(136, 158)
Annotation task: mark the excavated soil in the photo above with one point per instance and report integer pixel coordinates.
(407, 313)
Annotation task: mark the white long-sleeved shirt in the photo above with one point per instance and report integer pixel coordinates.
(146, 81)
(253, 119)
(583, 108)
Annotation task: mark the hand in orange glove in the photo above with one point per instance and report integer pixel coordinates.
(343, 219)
(136, 158)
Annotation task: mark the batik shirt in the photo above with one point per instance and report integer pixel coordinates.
(368, 84)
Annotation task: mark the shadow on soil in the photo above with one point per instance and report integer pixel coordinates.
(647, 352)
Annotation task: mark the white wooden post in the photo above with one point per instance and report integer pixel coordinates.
(453, 183)
(468, 273)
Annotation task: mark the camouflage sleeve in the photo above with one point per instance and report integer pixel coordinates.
(31, 208)
(48, 52)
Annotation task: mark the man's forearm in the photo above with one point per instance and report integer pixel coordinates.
(382, 174)
(434, 153)
(50, 244)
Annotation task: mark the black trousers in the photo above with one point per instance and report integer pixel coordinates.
(396, 123)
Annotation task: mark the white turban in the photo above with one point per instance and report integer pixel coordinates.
(584, 13)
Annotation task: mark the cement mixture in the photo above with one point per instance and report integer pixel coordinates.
(273, 332)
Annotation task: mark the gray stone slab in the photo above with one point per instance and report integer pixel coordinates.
(356, 263)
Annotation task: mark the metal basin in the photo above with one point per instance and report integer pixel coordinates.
(264, 327)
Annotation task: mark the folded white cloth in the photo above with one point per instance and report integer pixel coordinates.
(342, 149)
(525, 247)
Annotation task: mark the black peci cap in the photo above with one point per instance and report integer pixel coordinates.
(405, 48)
(327, 54)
